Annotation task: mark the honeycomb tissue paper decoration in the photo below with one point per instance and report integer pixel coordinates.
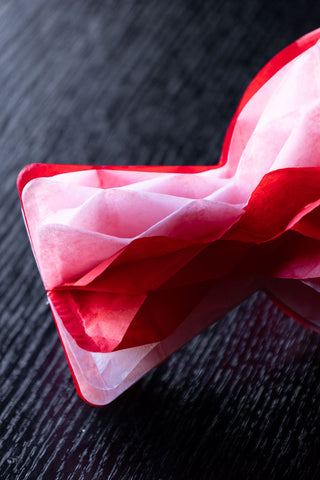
(138, 260)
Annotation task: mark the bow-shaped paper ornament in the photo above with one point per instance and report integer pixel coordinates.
(138, 260)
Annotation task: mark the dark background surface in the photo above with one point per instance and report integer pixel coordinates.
(128, 82)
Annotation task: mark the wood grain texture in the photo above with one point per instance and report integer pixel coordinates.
(134, 82)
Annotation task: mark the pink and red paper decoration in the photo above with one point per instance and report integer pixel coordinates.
(138, 260)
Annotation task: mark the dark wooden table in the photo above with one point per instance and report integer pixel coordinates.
(143, 82)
